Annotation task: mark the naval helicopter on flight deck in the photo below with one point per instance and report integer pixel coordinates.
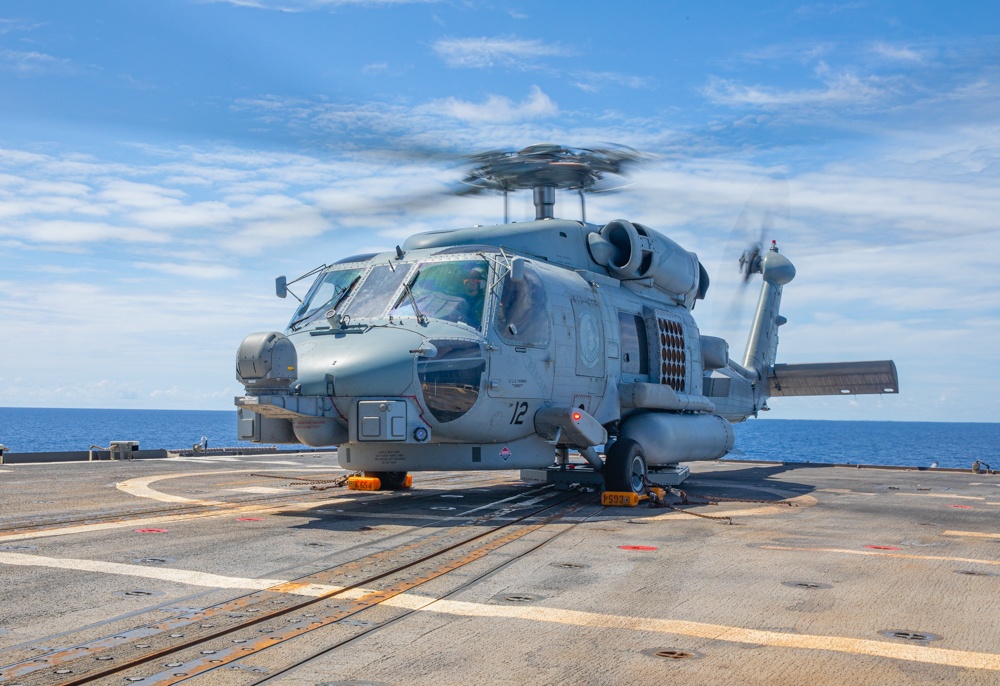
(506, 346)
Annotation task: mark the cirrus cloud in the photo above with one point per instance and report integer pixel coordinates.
(499, 51)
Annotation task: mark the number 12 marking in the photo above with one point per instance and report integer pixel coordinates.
(520, 409)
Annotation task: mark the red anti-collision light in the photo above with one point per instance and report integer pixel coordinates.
(576, 416)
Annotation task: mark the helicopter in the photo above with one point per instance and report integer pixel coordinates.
(506, 346)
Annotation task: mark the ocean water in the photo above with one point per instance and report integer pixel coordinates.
(919, 444)
(34, 430)
(952, 445)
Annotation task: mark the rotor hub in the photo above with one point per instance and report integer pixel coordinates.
(545, 168)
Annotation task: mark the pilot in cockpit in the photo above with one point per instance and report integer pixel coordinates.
(475, 285)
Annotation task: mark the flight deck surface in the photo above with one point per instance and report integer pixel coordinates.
(262, 570)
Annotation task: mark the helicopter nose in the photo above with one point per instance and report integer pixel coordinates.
(379, 362)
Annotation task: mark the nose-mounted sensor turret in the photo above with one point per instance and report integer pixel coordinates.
(266, 360)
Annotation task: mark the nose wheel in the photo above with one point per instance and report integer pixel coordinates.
(625, 467)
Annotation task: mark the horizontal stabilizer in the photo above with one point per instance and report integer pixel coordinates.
(834, 378)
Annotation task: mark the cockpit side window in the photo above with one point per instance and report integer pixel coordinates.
(328, 291)
(454, 291)
(522, 314)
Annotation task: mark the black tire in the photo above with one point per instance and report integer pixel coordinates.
(391, 481)
(625, 467)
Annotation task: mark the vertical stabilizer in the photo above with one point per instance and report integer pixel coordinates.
(762, 344)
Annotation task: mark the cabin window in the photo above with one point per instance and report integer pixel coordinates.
(522, 315)
(328, 291)
(450, 381)
(453, 291)
(635, 356)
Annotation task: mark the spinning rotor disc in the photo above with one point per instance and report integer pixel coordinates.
(546, 165)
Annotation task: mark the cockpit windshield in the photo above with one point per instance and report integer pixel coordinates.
(327, 292)
(453, 291)
(377, 290)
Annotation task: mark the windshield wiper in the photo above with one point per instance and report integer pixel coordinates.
(421, 317)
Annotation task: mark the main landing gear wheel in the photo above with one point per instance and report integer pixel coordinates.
(625, 467)
(391, 481)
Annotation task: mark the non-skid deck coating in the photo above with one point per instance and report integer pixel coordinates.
(841, 576)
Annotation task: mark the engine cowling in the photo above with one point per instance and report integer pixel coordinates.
(633, 251)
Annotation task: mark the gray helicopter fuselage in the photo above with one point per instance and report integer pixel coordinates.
(503, 346)
(561, 349)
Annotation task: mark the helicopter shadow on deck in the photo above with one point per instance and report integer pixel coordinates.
(758, 478)
(441, 508)
(417, 507)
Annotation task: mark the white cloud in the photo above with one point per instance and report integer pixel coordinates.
(29, 63)
(129, 194)
(596, 81)
(897, 53)
(504, 51)
(843, 88)
(193, 270)
(67, 231)
(375, 68)
(496, 108)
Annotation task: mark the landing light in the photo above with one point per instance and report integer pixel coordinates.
(420, 434)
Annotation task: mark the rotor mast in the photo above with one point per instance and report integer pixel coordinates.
(545, 202)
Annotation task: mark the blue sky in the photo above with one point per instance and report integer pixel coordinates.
(161, 161)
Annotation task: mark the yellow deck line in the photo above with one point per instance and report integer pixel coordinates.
(181, 576)
(882, 553)
(797, 502)
(140, 487)
(415, 602)
(973, 534)
(835, 644)
(146, 522)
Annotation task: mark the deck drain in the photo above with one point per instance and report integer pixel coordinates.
(138, 593)
(672, 653)
(442, 508)
(569, 565)
(313, 544)
(154, 560)
(970, 572)
(912, 636)
(518, 598)
(808, 585)
(8, 548)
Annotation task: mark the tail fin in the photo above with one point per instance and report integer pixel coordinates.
(762, 344)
